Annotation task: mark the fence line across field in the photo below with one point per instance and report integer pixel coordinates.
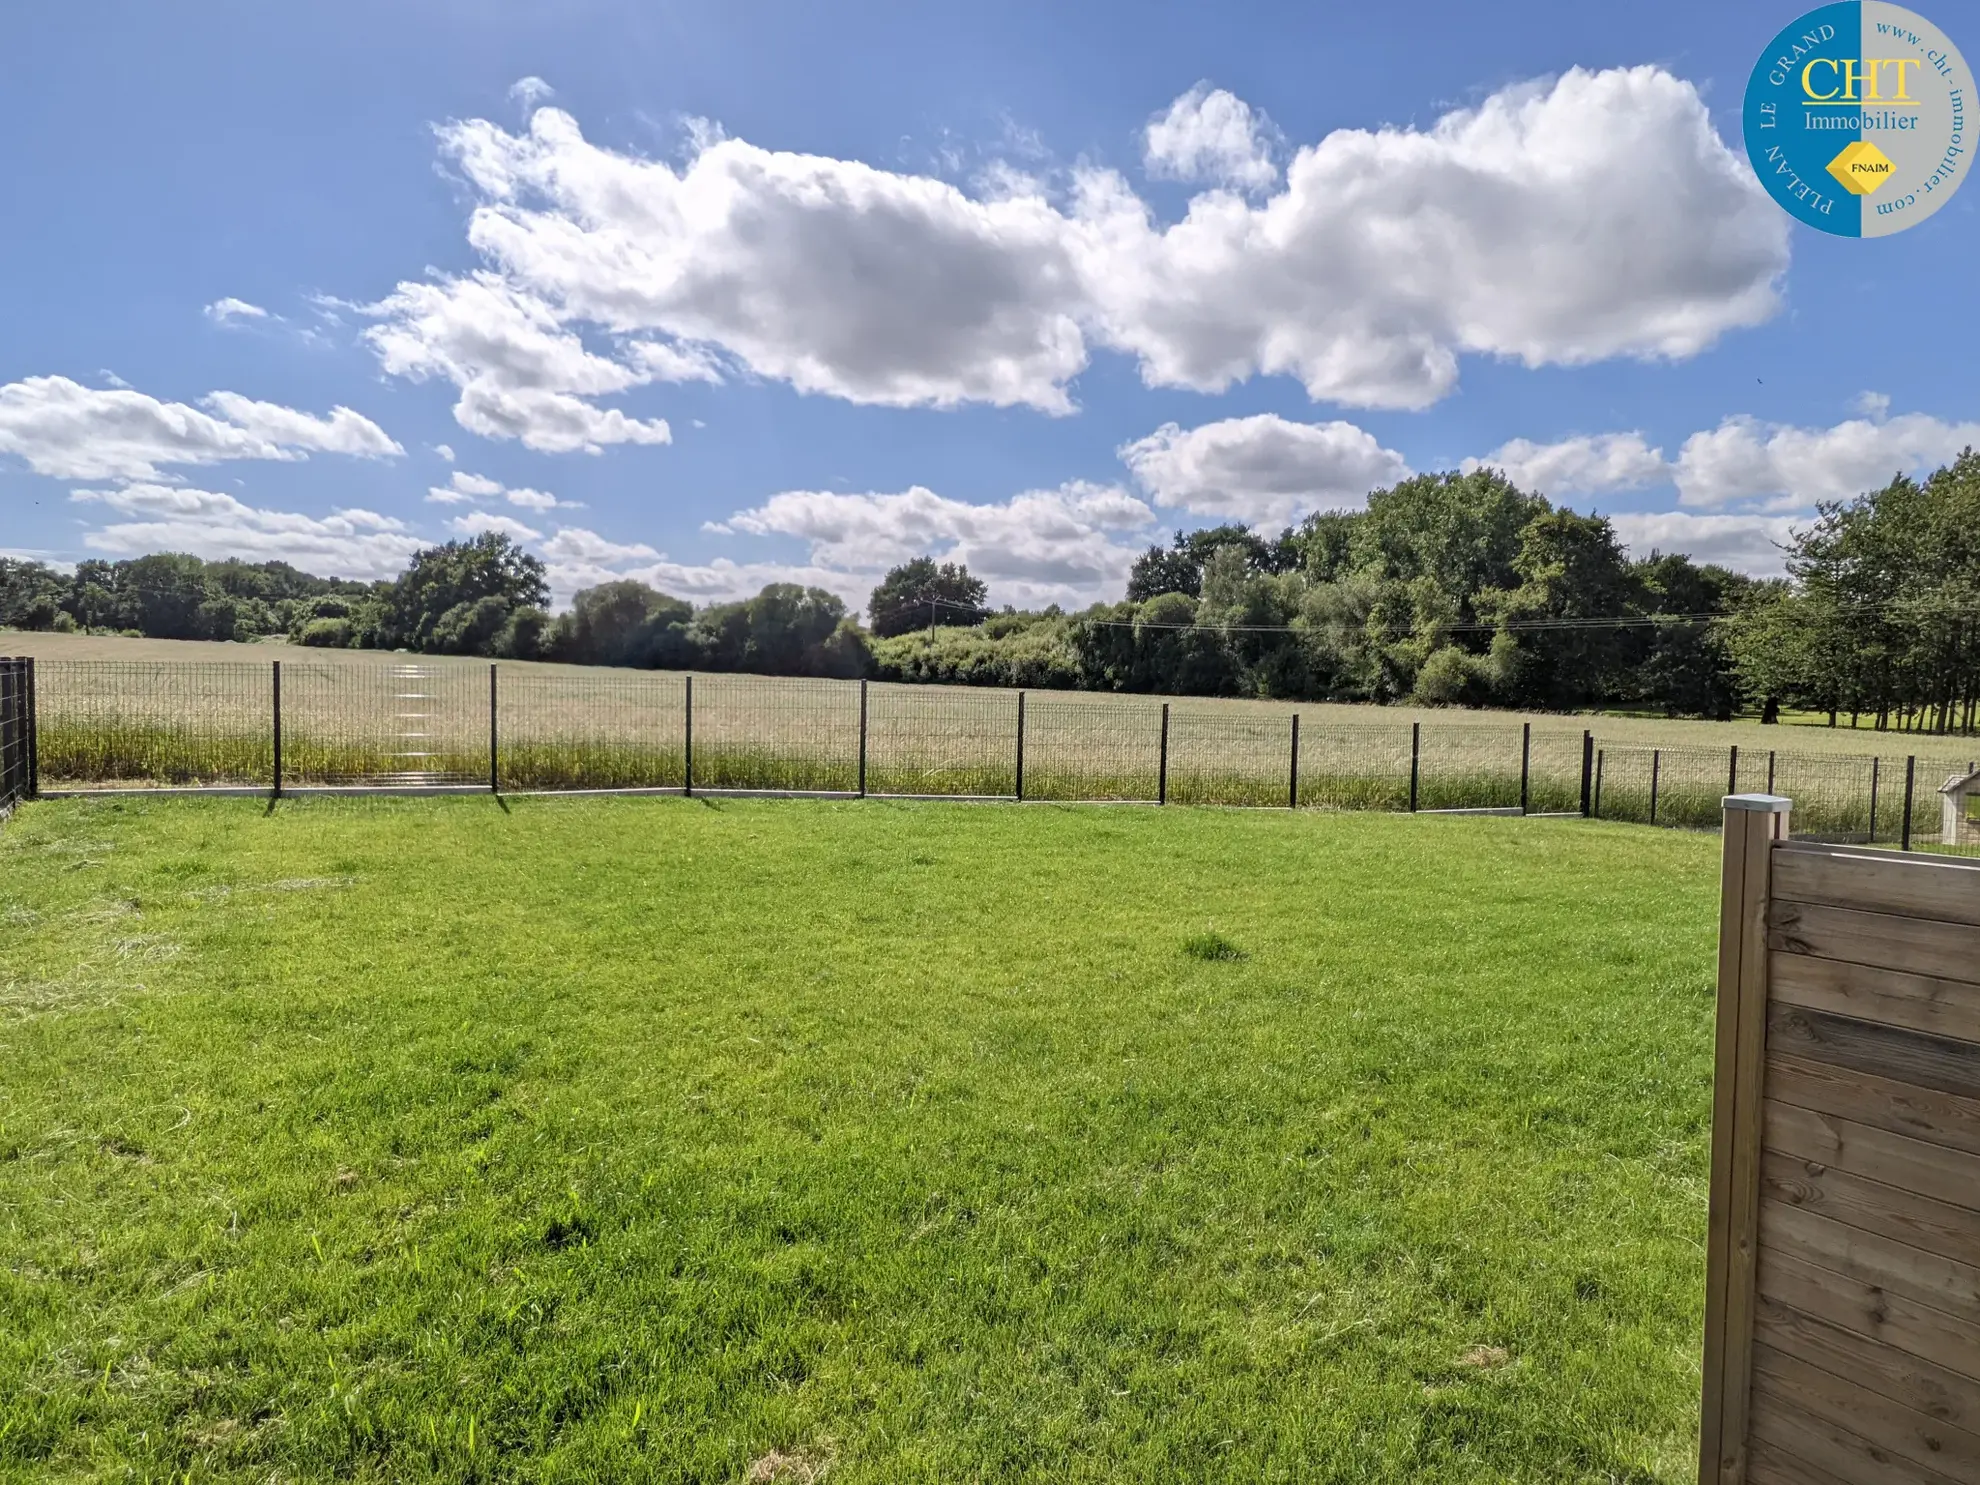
(405, 726)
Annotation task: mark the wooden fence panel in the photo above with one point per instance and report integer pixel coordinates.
(1842, 1325)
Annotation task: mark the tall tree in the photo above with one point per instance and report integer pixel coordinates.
(921, 595)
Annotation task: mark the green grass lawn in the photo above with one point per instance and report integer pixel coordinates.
(654, 1139)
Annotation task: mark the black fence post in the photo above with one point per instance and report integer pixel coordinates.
(1525, 763)
(1587, 769)
(1415, 761)
(687, 704)
(1600, 755)
(1292, 791)
(1162, 764)
(1656, 762)
(1876, 771)
(494, 746)
(276, 693)
(1770, 770)
(1732, 771)
(1020, 749)
(34, 739)
(1910, 777)
(862, 738)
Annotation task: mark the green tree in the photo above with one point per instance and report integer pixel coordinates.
(455, 598)
(921, 595)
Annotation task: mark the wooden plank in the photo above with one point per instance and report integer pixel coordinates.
(1902, 1378)
(1898, 1321)
(1935, 1062)
(1783, 1421)
(1922, 1441)
(1769, 1464)
(1882, 1103)
(1914, 945)
(1867, 993)
(1904, 886)
(1870, 1258)
(1899, 1164)
(1890, 1211)
(1732, 1228)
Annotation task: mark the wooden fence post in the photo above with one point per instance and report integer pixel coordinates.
(687, 722)
(1876, 770)
(1587, 770)
(862, 738)
(1753, 823)
(1732, 771)
(1162, 763)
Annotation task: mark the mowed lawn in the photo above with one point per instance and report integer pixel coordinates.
(656, 1139)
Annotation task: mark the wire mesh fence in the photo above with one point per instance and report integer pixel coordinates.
(1354, 767)
(16, 731)
(405, 723)
(773, 732)
(154, 722)
(1092, 750)
(959, 743)
(608, 729)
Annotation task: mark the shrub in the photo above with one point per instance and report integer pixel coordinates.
(326, 634)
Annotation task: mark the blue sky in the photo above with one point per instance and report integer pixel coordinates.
(766, 292)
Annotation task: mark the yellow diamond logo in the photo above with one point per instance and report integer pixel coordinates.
(1861, 167)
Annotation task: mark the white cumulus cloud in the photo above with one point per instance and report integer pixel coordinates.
(1211, 135)
(1751, 544)
(521, 373)
(1588, 464)
(1264, 471)
(207, 523)
(480, 522)
(463, 488)
(1042, 546)
(62, 428)
(1744, 459)
(1378, 261)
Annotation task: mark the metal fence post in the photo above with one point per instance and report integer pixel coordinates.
(1910, 776)
(862, 737)
(1587, 769)
(1876, 770)
(1525, 763)
(1162, 764)
(1415, 759)
(276, 694)
(1656, 764)
(1020, 749)
(687, 786)
(1292, 793)
(1732, 771)
(494, 750)
(34, 739)
(1770, 770)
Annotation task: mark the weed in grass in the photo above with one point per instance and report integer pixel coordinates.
(1211, 946)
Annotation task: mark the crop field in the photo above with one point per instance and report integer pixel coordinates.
(596, 1139)
(1803, 733)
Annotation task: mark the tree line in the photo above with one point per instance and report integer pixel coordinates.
(1450, 589)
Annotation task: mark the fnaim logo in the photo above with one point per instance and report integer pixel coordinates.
(1858, 118)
